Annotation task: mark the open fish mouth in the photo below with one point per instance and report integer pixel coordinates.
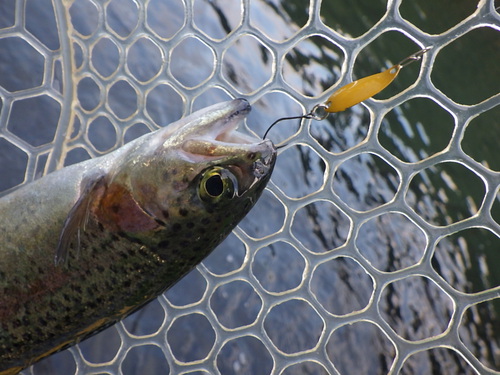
(214, 134)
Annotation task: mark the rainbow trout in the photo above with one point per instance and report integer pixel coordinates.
(89, 244)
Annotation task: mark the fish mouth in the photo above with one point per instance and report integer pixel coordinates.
(215, 140)
(216, 136)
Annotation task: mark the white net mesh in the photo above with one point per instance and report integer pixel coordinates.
(375, 248)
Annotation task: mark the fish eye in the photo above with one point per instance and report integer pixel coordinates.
(215, 184)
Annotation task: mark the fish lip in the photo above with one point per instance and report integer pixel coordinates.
(268, 153)
(239, 109)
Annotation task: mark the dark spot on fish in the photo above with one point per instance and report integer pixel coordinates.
(160, 222)
(101, 227)
(183, 212)
(190, 225)
(164, 244)
(114, 281)
(166, 176)
(123, 254)
(174, 171)
(38, 331)
(137, 268)
(26, 321)
(165, 214)
(27, 336)
(92, 235)
(135, 240)
(115, 208)
(100, 268)
(185, 243)
(127, 283)
(113, 268)
(175, 250)
(176, 226)
(251, 156)
(197, 249)
(205, 221)
(68, 319)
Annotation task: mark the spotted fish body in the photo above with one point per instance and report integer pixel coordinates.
(87, 245)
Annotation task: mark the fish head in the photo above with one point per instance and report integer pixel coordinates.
(199, 175)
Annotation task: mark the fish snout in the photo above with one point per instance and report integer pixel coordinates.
(264, 164)
(241, 107)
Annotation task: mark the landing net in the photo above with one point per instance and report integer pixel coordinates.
(375, 248)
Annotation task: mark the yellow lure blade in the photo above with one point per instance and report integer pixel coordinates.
(364, 88)
(360, 90)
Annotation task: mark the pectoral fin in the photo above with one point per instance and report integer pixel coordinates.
(78, 217)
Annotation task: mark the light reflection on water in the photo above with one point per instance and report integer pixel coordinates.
(415, 308)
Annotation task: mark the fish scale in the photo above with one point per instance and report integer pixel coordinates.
(109, 284)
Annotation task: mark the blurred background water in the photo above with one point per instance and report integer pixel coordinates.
(376, 245)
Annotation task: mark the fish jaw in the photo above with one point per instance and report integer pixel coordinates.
(216, 122)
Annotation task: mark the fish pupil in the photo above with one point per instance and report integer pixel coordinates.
(214, 185)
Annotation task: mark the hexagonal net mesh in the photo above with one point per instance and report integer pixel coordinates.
(374, 249)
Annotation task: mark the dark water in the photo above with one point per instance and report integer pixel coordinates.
(315, 254)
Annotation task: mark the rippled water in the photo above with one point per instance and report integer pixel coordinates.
(315, 162)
